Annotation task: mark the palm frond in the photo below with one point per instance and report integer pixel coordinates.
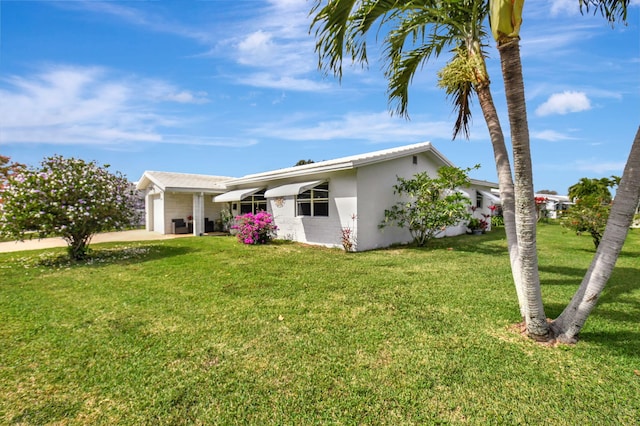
(363, 18)
(331, 24)
(419, 31)
(612, 10)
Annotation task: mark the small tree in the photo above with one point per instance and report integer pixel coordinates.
(7, 169)
(430, 205)
(588, 214)
(592, 205)
(69, 198)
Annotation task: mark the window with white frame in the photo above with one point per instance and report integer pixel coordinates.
(478, 199)
(314, 202)
(253, 203)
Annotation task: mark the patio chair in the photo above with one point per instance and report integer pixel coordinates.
(179, 226)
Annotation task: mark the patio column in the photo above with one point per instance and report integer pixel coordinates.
(198, 214)
(148, 212)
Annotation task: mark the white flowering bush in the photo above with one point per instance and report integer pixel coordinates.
(66, 197)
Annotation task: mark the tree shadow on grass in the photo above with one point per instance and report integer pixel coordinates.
(617, 306)
(562, 275)
(611, 331)
(623, 281)
(622, 343)
(491, 243)
(624, 254)
(99, 255)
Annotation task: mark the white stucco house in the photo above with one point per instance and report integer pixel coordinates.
(311, 203)
(554, 205)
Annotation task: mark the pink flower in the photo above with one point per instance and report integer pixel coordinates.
(255, 229)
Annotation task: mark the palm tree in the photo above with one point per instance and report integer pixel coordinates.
(567, 326)
(506, 18)
(429, 27)
(597, 189)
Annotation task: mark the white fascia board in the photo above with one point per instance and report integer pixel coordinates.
(194, 190)
(486, 183)
(148, 178)
(262, 178)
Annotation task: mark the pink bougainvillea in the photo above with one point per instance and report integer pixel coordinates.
(255, 228)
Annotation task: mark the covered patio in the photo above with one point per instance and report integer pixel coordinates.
(181, 203)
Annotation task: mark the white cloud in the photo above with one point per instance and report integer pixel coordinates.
(185, 97)
(86, 105)
(208, 141)
(272, 81)
(372, 127)
(273, 46)
(256, 48)
(277, 51)
(161, 91)
(600, 167)
(551, 136)
(564, 103)
(570, 7)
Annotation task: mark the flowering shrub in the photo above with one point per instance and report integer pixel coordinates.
(69, 198)
(348, 235)
(255, 228)
(476, 224)
(541, 207)
(429, 205)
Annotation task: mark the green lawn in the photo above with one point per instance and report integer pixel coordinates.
(207, 331)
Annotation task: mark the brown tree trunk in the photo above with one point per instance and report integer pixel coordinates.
(525, 210)
(567, 326)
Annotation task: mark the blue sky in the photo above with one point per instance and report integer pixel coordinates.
(229, 87)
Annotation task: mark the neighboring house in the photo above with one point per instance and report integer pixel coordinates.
(310, 203)
(554, 205)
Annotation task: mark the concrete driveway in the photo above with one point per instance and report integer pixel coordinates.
(121, 236)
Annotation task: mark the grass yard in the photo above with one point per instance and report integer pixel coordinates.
(207, 331)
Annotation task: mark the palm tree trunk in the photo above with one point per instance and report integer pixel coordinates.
(567, 326)
(525, 211)
(505, 182)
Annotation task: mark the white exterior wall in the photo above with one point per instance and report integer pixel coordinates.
(375, 194)
(212, 210)
(176, 206)
(319, 230)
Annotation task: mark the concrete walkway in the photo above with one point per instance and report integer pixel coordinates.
(107, 237)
